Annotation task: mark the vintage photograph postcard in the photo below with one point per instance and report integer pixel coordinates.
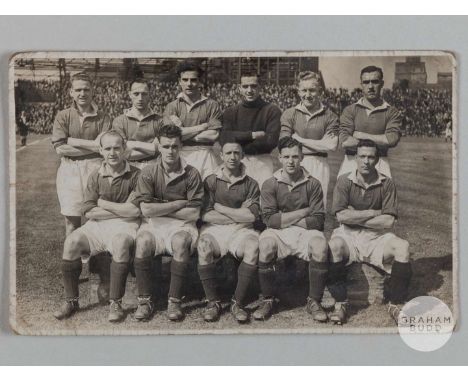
(230, 192)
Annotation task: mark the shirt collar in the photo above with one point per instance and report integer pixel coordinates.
(353, 177)
(300, 106)
(104, 170)
(170, 177)
(366, 104)
(181, 96)
(279, 176)
(93, 113)
(221, 176)
(132, 114)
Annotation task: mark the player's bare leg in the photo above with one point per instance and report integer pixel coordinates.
(121, 247)
(144, 252)
(71, 224)
(181, 243)
(267, 277)
(337, 279)
(397, 251)
(208, 250)
(318, 271)
(76, 245)
(246, 272)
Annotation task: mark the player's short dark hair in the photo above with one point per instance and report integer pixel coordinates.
(189, 66)
(81, 76)
(288, 142)
(371, 69)
(309, 75)
(113, 133)
(170, 131)
(230, 140)
(369, 143)
(250, 73)
(139, 80)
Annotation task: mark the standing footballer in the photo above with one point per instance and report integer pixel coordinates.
(369, 118)
(255, 124)
(365, 205)
(232, 205)
(315, 126)
(169, 193)
(112, 226)
(199, 119)
(74, 138)
(139, 125)
(292, 208)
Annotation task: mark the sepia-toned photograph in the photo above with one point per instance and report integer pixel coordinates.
(230, 192)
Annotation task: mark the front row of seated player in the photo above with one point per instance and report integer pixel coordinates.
(153, 212)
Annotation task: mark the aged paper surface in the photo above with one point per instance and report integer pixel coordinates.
(421, 86)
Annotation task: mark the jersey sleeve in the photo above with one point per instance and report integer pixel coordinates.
(118, 125)
(393, 127)
(209, 186)
(347, 127)
(195, 189)
(287, 123)
(390, 201)
(333, 125)
(316, 218)
(60, 130)
(253, 194)
(214, 115)
(270, 210)
(91, 193)
(144, 190)
(340, 195)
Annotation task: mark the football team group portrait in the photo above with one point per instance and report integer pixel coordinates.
(244, 193)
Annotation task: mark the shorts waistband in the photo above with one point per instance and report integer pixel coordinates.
(80, 158)
(353, 153)
(142, 160)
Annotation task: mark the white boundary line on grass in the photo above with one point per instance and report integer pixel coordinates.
(33, 143)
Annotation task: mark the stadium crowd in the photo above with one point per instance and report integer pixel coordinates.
(425, 112)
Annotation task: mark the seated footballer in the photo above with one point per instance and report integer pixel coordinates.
(293, 211)
(232, 206)
(365, 204)
(112, 226)
(169, 193)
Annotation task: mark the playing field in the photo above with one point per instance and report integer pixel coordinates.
(422, 169)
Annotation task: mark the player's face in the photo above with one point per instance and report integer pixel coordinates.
(291, 158)
(112, 150)
(169, 149)
(232, 155)
(189, 82)
(309, 92)
(81, 92)
(139, 94)
(372, 85)
(249, 89)
(366, 159)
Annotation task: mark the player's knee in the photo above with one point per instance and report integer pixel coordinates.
(401, 250)
(74, 246)
(267, 249)
(251, 251)
(121, 246)
(205, 250)
(144, 245)
(181, 243)
(318, 249)
(337, 248)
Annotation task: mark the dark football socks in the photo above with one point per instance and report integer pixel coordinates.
(267, 279)
(399, 282)
(207, 275)
(317, 278)
(245, 275)
(179, 273)
(337, 281)
(144, 276)
(71, 270)
(118, 278)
